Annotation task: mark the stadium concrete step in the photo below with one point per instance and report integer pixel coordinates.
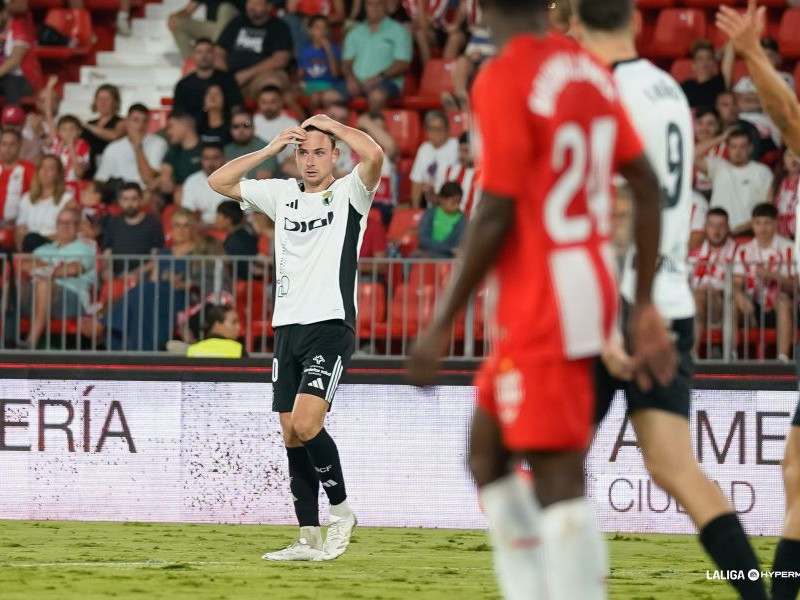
(138, 59)
(151, 28)
(165, 9)
(141, 76)
(158, 45)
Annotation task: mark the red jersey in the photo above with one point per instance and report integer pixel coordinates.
(20, 31)
(14, 182)
(551, 130)
(435, 9)
(786, 203)
(711, 264)
(315, 7)
(467, 178)
(61, 150)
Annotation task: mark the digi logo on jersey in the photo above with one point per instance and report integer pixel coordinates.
(306, 226)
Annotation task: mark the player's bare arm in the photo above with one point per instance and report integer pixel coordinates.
(653, 351)
(225, 180)
(368, 150)
(702, 149)
(778, 100)
(485, 236)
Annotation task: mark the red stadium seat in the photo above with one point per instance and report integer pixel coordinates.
(739, 70)
(412, 308)
(158, 119)
(114, 289)
(44, 4)
(459, 122)
(436, 274)
(405, 127)
(676, 30)
(75, 23)
(6, 237)
(712, 4)
(403, 228)
(645, 4)
(404, 166)
(371, 308)
(789, 33)
(436, 79)
(681, 69)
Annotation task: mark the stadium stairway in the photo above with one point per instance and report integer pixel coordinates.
(145, 66)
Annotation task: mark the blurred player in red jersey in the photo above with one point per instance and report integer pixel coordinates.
(551, 131)
(780, 103)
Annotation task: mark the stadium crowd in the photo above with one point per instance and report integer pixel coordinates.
(256, 67)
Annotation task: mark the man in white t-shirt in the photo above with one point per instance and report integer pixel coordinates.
(433, 157)
(319, 225)
(197, 195)
(270, 121)
(137, 156)
(739, 183)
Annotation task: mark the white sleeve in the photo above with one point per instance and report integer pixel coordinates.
(768, 179)
(263, 195)
(155, 151)
(360, 196)
(714, 163)
(106, 160)
(24, 209)
(699, 212)
(419, 172)
(189, 196)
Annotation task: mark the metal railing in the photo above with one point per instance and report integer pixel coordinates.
(137, 303)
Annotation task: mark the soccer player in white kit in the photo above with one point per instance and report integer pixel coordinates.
(780, 103)
(319, 225)
(660, 415)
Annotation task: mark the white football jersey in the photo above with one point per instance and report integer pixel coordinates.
(661, 115)
(317, 241)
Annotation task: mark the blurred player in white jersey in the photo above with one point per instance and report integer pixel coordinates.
(781, 105)
(660, 416)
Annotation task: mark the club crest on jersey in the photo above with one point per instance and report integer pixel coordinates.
(319, 359)
(327, 198)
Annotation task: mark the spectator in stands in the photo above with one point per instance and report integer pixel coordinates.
(464, 174)
(431, 29)
(239, 239)
(300, 13)
(728, 110)
(197, 194)
(123, 15)
(480, 48)
(783, 193)
(215, 126)
(271, 120)
(340, 111)
(132, 232)
(442, 226)
(385, 198)
(15, 176)
(707, 126)
(432, 159)
(769, 136)
(708, 83)
(320, 63)
(188, 32)
(20, 73)
(256, 47)
(39, 124)
(739, 183)
(107, 127)
(711, 261)
(763, 279)
(377, 54)
(772, 50)
(183, 157)
(71, 148)
(697, 224)
(132, 157)
(222, 329)
(13, 119)
(559, 16)
(62, 271)
(94, 211)
(190, 92)
(243, 134)
(39, 208)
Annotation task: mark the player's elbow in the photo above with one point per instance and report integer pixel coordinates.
(374, 155)
(215, 182)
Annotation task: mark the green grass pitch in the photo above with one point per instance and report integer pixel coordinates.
(82, 561)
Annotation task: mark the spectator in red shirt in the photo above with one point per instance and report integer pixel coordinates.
(13, 118)
(784, 193)
(71, 148)
(20, 73)
(15, 175)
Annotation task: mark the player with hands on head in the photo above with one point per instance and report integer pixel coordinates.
(780, 103)
(319, 223)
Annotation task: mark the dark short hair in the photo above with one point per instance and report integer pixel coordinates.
(700, 45)
(232, 210)
(717, 211)
(14, 132)
(238, 111)
(271, 89)
(340, 104)
(707, 110)
(140, 108)
(213, 146)
(765, 210)
(605, 15)
(330, 136)
(181, 115)
(215, 313)
(130, 185)
(437, 114)
(740, 132)
(464, 138)
(451, 189)
(203, 40)
(70, 119)
(316, 18)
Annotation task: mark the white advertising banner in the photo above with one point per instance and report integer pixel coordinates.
(212, 452)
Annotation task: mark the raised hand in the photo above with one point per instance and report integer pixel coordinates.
(744, 30)
(293, 135)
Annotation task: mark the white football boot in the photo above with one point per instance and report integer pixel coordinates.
(308, 547)
(338, 539)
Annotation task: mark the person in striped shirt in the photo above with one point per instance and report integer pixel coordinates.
(466, 175)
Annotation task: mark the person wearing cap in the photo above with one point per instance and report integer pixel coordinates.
(13, 119)
(772, 50)
(752, 112)
(15, 176)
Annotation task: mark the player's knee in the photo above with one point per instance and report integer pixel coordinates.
(306, 427)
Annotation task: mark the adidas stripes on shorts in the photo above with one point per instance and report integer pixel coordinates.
(309, 359)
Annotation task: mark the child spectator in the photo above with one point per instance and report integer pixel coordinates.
(71, 148)
(763, 280)
(707, 83)
(442, 227)
(707, 126)
(320, 65)
(784, 193)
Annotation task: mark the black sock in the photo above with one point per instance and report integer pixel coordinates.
(325, 458)
(725, 540)
(787, 558)
(305, 487)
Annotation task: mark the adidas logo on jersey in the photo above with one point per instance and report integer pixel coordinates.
(329, 483)
(293, 204)
(317, 383)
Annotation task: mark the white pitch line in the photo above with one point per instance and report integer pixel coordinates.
(149, 563)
